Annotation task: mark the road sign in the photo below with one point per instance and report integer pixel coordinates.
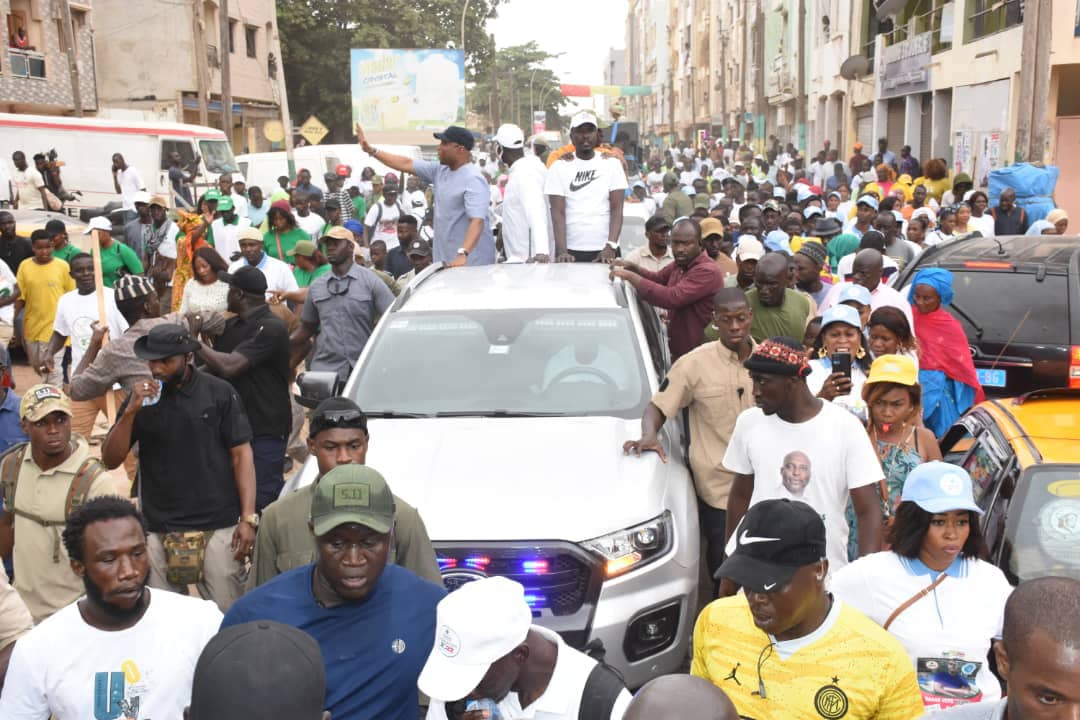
(273, 131)
(313, 131)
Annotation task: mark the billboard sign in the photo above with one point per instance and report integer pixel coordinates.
(408, 89)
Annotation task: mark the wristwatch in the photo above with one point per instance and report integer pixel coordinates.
(612, 245)
(463, 251)
(252, 520)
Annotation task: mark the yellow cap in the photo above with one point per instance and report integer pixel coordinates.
(899, 369)
(339, 233)
(41, 400)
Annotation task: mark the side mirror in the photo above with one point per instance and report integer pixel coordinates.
(316, 386)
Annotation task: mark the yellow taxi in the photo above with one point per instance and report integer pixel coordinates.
(1023, 455)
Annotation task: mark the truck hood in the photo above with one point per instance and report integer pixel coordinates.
(521, 478)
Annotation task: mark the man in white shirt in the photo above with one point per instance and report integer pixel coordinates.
(867, 269)
(76, 312)
(309, 222)
(656, 253)
(380, 223)
(279, 276)
(586, 192)
(226, 228)
(487, 647)
(237, 183)
(123, 650)
(841, 461)
(126, 180)
(526, 222)
(26, 184)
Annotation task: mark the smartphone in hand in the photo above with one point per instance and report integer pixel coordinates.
(841, 363)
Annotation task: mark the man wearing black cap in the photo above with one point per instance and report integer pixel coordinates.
(197, 476)
(786, 647)
(259, 670)
(586, 194)
(397, 259)
(655, 254)
(253, 355)
(841, 463)
(57, 232)
(462, 196)
(337, 435)
(374, 621)
(419, 254)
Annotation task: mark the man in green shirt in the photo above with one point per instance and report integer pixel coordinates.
(61, 247)
(677, 204)
(359, 203)
(309, 262)
(116, 258)
(778, 310)
(337, 435)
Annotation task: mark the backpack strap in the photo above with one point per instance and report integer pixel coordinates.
(10, 464)
(602, 690)
(90, 470)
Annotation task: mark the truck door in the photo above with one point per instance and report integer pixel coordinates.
(187, 156)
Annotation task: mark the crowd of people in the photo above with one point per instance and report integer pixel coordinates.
(847, 558)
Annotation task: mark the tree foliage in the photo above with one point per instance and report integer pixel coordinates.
(502, 90)
(317, 35)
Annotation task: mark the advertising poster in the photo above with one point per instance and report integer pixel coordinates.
(962, 152)
(408, 89)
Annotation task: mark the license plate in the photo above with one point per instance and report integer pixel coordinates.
(991, 378)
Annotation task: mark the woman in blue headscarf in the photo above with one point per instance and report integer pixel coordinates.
(947, 374)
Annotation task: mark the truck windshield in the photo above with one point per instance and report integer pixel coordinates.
(505, 362)
(217, 155)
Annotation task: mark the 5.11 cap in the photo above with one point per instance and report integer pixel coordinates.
(774, 540)
(352, 494)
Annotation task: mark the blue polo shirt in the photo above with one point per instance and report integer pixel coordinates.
(10, 429)
(373, 651)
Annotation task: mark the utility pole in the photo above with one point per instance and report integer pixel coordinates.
(1041, 94)
(744, 65)
(72, 58)
(202, 69)
(226, 73)
(800, 97)
(759, 77)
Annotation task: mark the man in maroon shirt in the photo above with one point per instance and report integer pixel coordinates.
(685, 288)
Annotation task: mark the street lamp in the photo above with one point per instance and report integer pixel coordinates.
(532, 108)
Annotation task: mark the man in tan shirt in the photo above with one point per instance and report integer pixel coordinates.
(53, 466)
(15, 621)
(711, 381)
(655, 254)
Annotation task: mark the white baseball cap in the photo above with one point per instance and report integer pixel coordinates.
(142, 197)
(510, 136)
(98, 223)
(582, 118)
(474, 626)
(238, 178)
(749, 248)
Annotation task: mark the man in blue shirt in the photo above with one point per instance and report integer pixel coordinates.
(374, 622)
(11, 431)
(462, 197)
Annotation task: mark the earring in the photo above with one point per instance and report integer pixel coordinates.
(861, 353)
(821, 352)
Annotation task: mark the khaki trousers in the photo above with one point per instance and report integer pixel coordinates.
(223, 577)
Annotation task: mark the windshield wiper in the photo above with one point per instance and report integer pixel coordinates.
(971, 321)
(497, 413)
(392, 414)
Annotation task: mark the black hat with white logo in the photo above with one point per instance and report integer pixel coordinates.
(774, 540)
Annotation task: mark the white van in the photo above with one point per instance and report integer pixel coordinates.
(85, 146)
(263, 169)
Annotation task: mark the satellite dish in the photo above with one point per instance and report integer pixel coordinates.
(885, 8)
(855, 67)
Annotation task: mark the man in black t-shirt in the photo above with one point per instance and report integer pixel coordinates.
(197, 476)
(13, 248)
(253, 355)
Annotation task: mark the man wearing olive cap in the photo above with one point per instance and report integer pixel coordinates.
(374, 621)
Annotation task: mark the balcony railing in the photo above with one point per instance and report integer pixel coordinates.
(25, 63)
(925, 22)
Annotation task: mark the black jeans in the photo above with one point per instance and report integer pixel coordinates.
(713, 523)
(269, 455)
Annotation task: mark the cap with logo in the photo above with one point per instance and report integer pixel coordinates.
(99, 222)
(129, 287)
(509, 136)
(583, 118)
(225, 204)
(259, 669)
(165, 340)
(418, 248)
(303, 248)
(247, 278)
(212, 195)
(40, 400)
(774, 540)
(853, 292)
(474, 626)
(938, 487)
(352, 494)
(458, 135)
(811, 211)
(841, 314)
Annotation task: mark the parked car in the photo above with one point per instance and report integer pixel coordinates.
(499, 399)
(27, 221)
(1018, 299)
(1023, 455)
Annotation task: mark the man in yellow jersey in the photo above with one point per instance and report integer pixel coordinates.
(785, 649)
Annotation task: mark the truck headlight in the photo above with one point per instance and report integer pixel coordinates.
(629, 549)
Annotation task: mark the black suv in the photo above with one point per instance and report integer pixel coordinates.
(1018, 299)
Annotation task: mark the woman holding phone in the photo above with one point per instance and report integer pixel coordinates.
(840, 362)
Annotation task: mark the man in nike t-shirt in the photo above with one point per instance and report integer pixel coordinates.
(586, 195)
